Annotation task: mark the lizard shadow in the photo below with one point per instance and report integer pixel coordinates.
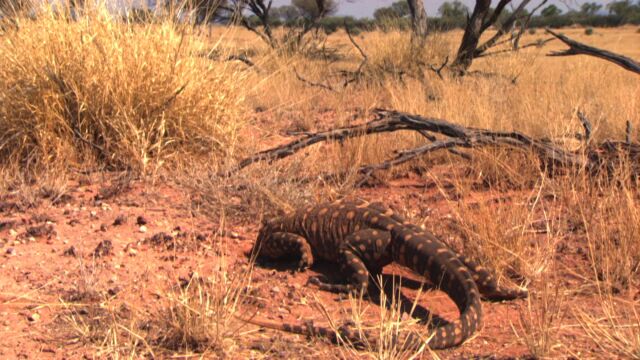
(390, 284)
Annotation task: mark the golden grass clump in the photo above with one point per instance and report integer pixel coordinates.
(125, 95)
(617, 331)
(612, 224)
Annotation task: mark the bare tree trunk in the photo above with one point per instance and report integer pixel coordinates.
(418, 21)
(471, 37)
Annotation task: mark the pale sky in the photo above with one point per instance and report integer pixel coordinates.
(365, 8)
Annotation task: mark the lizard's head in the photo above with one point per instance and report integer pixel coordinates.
(266, 229)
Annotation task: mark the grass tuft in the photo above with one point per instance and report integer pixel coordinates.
(118, 94)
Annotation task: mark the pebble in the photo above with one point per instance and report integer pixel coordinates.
(275, 290)
(143, 229)
(13, 233)
(94, 213)
(33, 317)
(11, 252)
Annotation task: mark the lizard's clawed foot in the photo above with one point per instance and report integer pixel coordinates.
(314, 280)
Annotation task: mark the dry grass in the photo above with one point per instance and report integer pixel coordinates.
(610, 220)
(539, 324)
(194, 317)
(390, 327)
(102, 93)
(115, 94)
(616, 329)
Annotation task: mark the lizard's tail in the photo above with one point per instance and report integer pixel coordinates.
(359, 338)
(428, 256)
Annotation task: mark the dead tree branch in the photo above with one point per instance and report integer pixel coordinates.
(586, 124)
(576, 48)
(540, 43)
(313, 84)
(550, 155)
(438, 70)
(348, 76)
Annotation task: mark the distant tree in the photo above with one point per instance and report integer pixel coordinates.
(590, 8)
(623, 8)
(397, 10)
(315, 9)
(550, 10)
(286, 13)
(198, 11)
(257, 16)
(385, 14)
(401, 8)
(455, 9)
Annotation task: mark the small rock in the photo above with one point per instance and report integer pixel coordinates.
(93, 213)
(140, 220)
(275, 290)
(143, 229)
(104, 248)
(13, 233)
(120, 220)
(71, 251)
(113, 291)
(7, 224)
(39, 231)
(33, 317)
(103, 227)
(11, 252)
(31, 239)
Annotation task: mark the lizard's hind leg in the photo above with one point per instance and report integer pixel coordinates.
(353, 269)
(284, 245)
(364, 252)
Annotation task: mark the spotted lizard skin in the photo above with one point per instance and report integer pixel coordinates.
(364, 237)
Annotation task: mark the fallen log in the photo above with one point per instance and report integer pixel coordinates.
(455, 136)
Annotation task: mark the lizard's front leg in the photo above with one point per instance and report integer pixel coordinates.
(487, 284)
